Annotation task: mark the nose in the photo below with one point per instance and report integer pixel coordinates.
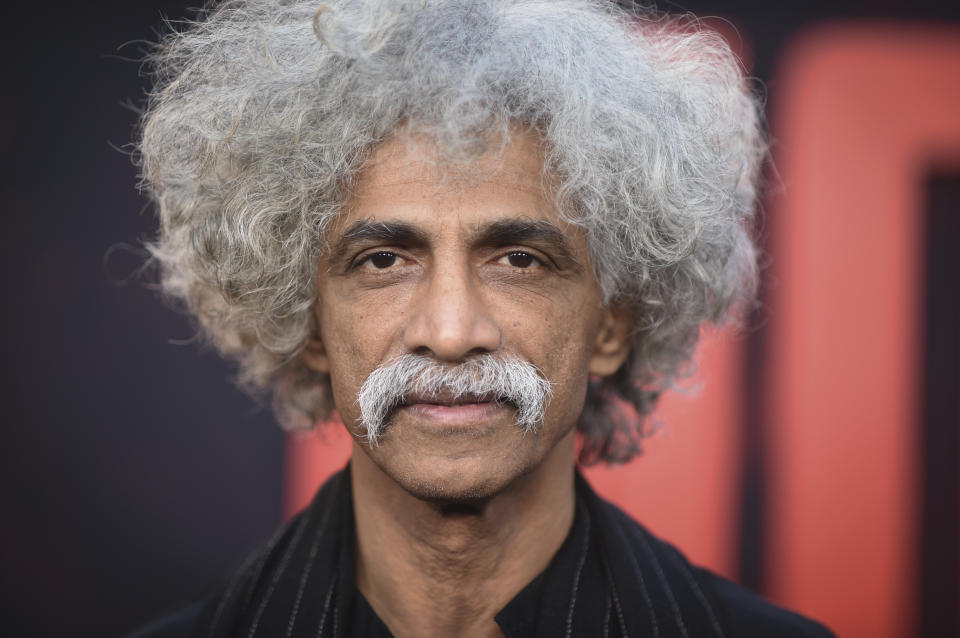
(450, 321)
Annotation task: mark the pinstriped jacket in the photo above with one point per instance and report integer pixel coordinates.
(611, 578)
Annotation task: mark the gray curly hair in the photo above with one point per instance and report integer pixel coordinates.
(264, 112)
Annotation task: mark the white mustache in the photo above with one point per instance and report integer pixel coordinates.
(504, 380)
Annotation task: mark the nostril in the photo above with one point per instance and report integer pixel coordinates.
(477, 352)
(422, 351)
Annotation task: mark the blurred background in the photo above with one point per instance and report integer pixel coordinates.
(816, 464)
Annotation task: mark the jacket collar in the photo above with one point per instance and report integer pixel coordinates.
(609, 578)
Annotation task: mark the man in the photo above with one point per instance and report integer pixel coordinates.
(472, 228)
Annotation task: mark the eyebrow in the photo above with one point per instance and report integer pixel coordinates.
(393, 232)
(515, 231)
(504, 231)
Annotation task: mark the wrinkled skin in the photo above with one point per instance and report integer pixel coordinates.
(445, 287)
(456, 509)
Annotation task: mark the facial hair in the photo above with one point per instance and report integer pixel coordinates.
(502, 379)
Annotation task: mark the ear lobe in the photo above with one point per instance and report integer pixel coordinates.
(612, 345)
(315, 356)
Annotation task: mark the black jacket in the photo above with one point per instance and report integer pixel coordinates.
(611, 578)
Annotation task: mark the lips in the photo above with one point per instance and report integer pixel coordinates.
(449, 399)
(448, 409)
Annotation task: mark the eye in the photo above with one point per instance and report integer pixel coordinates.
(380, 261)
(520, 259)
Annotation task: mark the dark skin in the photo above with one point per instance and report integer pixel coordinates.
(456, 509)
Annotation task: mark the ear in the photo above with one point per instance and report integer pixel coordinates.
(315, 355)
(612, 345)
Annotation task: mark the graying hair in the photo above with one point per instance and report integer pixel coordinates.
(264, 111)
(503, 380)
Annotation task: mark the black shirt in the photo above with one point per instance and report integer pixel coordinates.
(610, 578)
(546, 606)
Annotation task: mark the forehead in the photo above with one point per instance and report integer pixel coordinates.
(409, 178)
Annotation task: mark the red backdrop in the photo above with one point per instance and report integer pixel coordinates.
(860, 114)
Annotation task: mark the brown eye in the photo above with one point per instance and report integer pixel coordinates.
(520, 260)
(382, 260)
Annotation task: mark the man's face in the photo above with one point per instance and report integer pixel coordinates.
(451, 265)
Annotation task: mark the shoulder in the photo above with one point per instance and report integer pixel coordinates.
(217, 614)
(692, 599)
(180, 624)
(748, 614)
(743, 613)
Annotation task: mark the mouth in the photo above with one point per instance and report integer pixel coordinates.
(447, 409)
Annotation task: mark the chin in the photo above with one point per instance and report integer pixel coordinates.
(455, 469)
(458, 486)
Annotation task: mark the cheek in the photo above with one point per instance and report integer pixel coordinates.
(357, 336)
(563, 339)
(341, 338)
(341, 348)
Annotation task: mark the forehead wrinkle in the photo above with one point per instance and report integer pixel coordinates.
(411, 159)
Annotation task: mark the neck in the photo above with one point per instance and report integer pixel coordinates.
(431, 569)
